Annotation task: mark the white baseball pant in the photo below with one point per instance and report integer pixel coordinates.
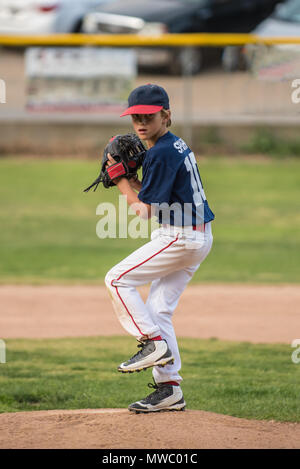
(168, 261)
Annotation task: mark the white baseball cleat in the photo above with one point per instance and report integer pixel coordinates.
(152, 353)
(165, 397)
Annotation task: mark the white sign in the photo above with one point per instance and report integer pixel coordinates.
(79, 78)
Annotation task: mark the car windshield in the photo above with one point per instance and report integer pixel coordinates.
(289, 11)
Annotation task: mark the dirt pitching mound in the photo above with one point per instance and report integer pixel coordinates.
(119, 428)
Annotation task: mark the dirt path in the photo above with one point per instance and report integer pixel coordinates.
(258, 314)
(243, 313)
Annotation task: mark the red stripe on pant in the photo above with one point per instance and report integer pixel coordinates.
(129, 270)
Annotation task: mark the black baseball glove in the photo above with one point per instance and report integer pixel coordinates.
(128, 152)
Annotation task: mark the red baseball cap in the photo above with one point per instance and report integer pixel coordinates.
(147, 99)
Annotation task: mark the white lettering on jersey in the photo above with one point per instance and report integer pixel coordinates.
(198, 191)
(180, 145)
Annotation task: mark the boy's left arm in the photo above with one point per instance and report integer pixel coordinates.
(141, 209)
(135, 184)
(126, 188)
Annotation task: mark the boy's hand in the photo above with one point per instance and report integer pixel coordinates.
(109, 163)
(111, 160)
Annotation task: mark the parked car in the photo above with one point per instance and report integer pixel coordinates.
(176, 16)
(70, 14)
(27, 16)
(283, 22)
(44, 16)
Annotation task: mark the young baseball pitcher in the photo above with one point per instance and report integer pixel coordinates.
(171, 189)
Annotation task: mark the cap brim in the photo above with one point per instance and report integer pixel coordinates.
(141, 109)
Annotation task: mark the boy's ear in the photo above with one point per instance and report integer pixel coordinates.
(169, 122)
(167, 114)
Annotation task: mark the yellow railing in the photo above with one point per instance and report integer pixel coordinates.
(130, 40)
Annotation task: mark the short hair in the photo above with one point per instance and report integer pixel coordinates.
(164, 113)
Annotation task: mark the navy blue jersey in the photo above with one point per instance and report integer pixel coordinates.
(172, 183)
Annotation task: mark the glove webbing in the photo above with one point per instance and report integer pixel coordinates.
(95, 183)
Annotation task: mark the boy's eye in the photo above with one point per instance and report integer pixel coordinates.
(143, 117)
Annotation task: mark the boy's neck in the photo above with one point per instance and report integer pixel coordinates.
(150, 143)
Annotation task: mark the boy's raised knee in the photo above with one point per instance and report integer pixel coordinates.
(109, 277)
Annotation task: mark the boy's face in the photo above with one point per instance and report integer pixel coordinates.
(147, 126)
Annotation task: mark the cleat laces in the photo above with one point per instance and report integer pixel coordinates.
(157, 394)
(141, 346)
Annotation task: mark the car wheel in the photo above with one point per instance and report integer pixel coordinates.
(186, 61)
(232, 59)
(77, 26)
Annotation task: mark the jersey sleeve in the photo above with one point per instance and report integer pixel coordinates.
(157, 182)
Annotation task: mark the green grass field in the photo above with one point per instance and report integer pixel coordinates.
(238, 379)
(48, 224)
(48, 235)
